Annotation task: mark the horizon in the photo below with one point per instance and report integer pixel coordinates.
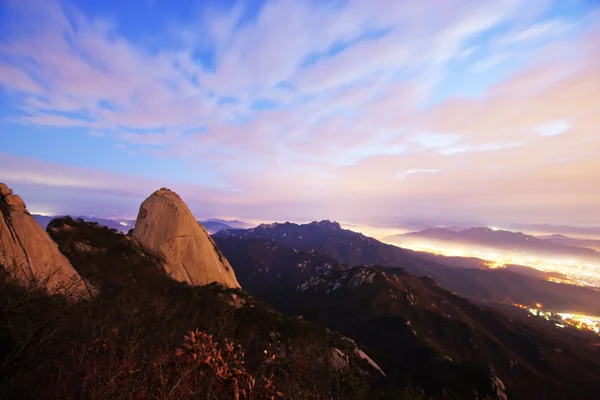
(381, 232)
(480, 114)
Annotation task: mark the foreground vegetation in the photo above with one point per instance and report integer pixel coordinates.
(143, 335)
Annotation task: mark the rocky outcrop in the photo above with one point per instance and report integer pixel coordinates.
(497, 385)
(166, 228)
(27, 251)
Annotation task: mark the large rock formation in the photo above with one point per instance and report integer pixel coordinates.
(27, 251)
(166, 228)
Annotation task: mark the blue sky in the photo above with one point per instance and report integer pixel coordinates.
(346, 110)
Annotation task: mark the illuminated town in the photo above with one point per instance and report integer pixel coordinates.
(563, 319)
(572, 273)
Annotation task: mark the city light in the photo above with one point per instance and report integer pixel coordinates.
(571, 272)
(563, 319)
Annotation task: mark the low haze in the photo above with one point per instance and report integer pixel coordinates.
(360, 111)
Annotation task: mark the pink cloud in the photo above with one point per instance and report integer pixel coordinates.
(348, 128)
(56, 120)
(16, 79)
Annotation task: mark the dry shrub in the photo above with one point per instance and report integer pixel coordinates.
(223, 368)
(202, 368)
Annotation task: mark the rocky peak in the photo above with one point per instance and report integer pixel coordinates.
(12, 201)
(15, 202)
(166, 228)
(29, 253)
(327, 224)
(4, 190)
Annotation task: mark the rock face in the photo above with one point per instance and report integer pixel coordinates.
(166, 228)
(27, 251)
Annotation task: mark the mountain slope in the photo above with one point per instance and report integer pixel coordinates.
(263, 265)
(346, 246)
(127, 340)
(410, 325)
(477, 282)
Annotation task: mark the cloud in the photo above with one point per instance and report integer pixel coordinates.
(359, 93)
(80, 185)
(87, 68)
(543, 30)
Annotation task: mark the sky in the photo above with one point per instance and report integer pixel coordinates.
(365, 111)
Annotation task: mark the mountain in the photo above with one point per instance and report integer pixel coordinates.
(146, 335)
(346, 246)
(351, 333)
(28, 251)
(494, 240)
(263, 265)
(467, 277)
(122, 225)
(213, 226)
(166, 228)
(232, 223)
(410, 325)
(593, 244)
(560, 229)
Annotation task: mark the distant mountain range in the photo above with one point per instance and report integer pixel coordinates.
(231, 223)
(557, 229)
(124, 225)
(506, 241)
(267, 259)
(467, 277)
(593, 244)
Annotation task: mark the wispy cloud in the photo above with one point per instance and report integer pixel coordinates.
(314, 103)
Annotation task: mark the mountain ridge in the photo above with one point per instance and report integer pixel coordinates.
(442, 332)
(474, 280)
(500, 239)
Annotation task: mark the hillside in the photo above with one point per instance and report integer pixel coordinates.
(416, 334)
(411, 326)
(473, 280)
(127, 340)
(263, 265)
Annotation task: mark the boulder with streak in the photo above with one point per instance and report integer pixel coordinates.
(166, 228)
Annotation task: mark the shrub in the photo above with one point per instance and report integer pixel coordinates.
(203, 367)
